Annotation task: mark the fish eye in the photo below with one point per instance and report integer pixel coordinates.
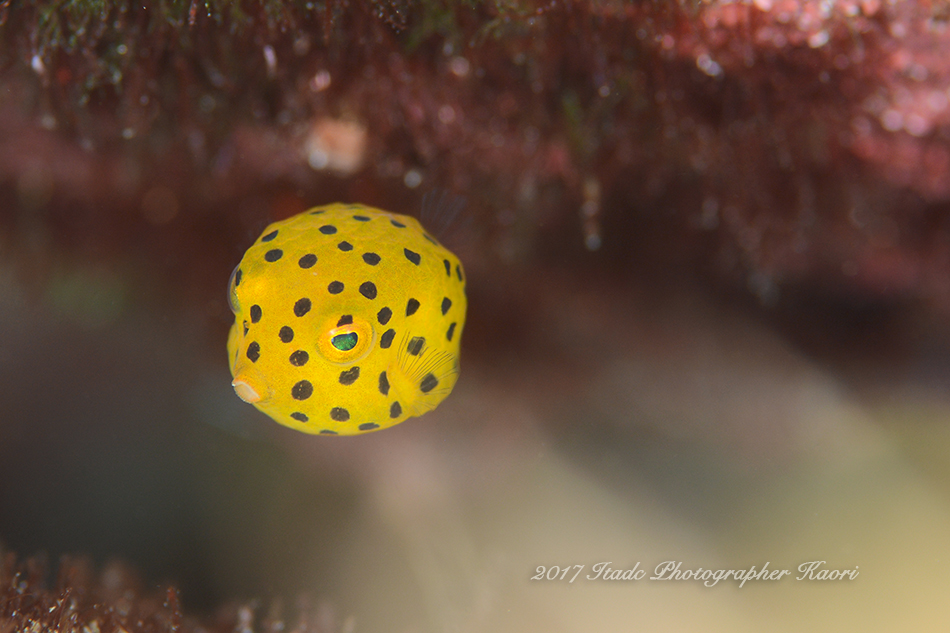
(232, 286)
(345, 342)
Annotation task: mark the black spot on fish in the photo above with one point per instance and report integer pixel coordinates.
(302, 390)
(428, 383)
(368, 289)
(349, 376)
(414, 257)
(416, 343)
(302, 307)
(339, 414)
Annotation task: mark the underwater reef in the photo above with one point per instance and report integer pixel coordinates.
(770, 146)
(703, 241)
(85, 600)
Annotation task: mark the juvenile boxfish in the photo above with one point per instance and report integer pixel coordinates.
(348, 319)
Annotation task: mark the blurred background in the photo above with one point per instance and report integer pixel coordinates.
(708, 257)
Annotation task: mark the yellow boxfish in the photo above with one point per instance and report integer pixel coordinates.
(348, 319)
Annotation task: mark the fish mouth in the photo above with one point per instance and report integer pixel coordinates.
(245, 391)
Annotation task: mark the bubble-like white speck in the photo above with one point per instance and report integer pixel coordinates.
(321, 80)
(937, 101)
(892, 120)
(37, 65)
(271, 58)
(916, 125)
(709, 66)
(459, 66)
(412, 179)
(447, 114)
(819, 39)
(318, 159)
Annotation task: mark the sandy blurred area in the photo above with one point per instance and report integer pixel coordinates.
(626, 427)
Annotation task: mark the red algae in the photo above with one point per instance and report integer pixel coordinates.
(84, 600)
(80, 600)
(768, 144)
(618, 159)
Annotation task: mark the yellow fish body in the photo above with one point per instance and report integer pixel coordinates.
(348, 319)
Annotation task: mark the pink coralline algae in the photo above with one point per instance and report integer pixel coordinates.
(769, 143)
(887, 60)
(820, 137)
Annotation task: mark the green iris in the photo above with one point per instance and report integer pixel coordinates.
(345, 342)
